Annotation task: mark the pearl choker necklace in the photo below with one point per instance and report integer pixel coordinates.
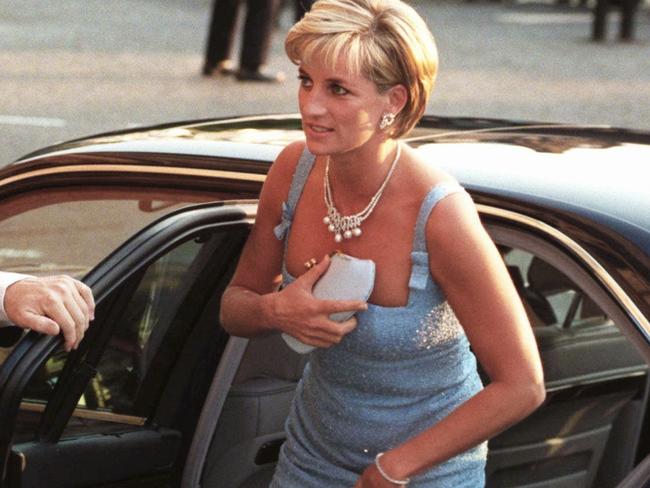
(348, 226)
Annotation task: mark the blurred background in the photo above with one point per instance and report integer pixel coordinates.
(72, 68)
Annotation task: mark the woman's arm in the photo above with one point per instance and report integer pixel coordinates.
(468, 267)
(251, 305)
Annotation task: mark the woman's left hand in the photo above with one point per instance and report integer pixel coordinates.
(371, 478)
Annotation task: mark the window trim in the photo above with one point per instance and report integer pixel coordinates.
(84, 413)
(135, 169)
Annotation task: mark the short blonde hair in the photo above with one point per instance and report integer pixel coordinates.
(386, 41)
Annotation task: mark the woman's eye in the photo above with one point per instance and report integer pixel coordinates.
(304, 81)
(338, 90)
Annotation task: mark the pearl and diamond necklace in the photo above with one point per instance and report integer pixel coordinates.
(348, 226)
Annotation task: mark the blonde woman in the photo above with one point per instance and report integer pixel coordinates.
(392, 395)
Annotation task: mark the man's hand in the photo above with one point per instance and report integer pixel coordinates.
(51, 305)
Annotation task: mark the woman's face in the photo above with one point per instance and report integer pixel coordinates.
(340, 110)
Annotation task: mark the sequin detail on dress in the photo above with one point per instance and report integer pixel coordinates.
(440, 326)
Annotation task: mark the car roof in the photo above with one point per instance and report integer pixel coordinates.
(605, 184)
(598, 172)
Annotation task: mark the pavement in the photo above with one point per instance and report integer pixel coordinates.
(71, 68)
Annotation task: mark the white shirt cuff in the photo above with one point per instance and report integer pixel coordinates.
(6, 280)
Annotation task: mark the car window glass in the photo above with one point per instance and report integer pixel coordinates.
(128, 353)
(550, 297)
(77, 227)
(140, 331)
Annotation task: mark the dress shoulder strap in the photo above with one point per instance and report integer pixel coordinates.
(419, 256)
(437, 193)
(300, 175)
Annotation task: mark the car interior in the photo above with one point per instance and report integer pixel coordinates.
(584, 435)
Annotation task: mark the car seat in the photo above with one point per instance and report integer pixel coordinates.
(250, 431)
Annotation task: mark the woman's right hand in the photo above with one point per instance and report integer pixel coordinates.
(295, 311)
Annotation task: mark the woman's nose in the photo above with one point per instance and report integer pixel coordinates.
(312, 103)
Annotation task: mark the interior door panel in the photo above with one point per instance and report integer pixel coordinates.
(95, 460)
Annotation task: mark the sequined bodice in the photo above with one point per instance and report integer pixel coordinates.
(397, 373)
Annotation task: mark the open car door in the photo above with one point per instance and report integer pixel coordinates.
(121, 409)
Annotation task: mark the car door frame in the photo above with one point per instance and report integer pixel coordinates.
(33, 350)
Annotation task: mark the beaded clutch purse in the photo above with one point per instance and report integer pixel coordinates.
(347, 278)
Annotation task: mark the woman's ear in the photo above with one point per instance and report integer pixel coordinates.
(397, 98)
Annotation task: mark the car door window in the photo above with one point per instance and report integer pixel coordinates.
(138, 336)
(150, 330)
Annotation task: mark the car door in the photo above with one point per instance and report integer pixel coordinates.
(121, 410)
(588, 432)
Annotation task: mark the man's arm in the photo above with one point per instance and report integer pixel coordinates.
(50, 305)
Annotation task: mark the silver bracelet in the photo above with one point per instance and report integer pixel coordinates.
(385, 476)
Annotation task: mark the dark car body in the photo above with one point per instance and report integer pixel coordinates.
(154, 220)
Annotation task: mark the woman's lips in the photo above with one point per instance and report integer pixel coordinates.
(318, 129)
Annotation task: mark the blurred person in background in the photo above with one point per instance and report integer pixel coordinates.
(256, 40)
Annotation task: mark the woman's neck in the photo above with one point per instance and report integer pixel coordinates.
(362, 171)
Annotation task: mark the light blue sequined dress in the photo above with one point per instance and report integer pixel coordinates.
(401, 370)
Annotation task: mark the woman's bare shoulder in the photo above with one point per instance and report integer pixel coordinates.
(424, 175)
(282, 170)
(285, 163)
(452, 217)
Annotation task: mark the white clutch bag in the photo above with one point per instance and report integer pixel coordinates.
(347, 278)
